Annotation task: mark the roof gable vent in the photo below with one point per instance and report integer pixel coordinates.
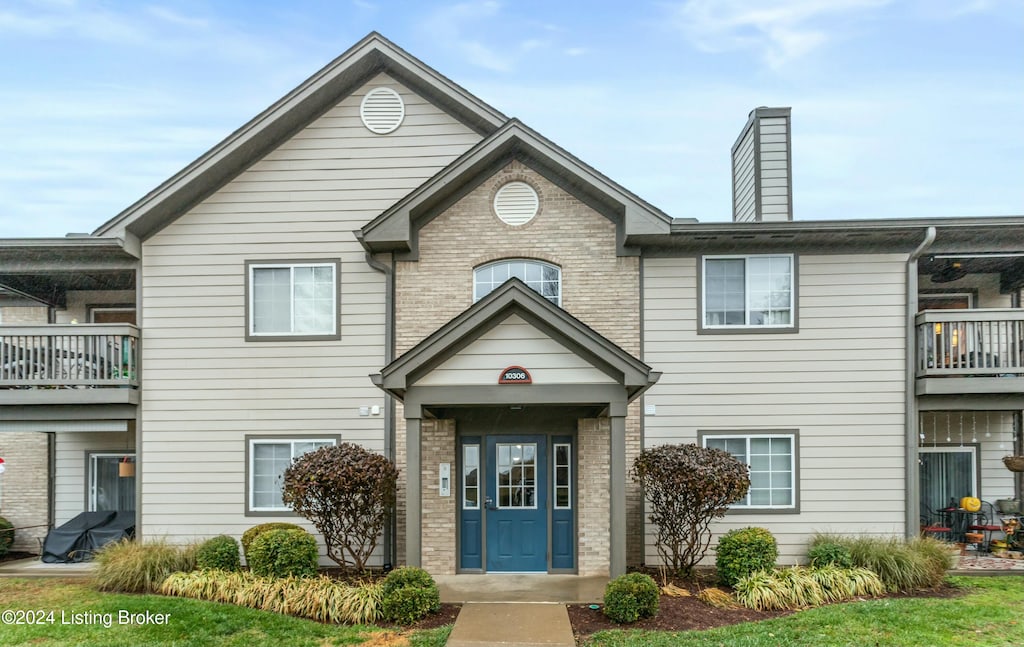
(382, 110)
(516, 203)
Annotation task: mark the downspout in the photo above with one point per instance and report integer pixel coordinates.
(913, 501)
(388, 270)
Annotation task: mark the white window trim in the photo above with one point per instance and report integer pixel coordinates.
(972, 449)
(251, 309)
(793, 482)
(497, 478)
(554, 475)
(518, 260)
(92, 471)
(746, 293)
(465, 488)
(250, 486)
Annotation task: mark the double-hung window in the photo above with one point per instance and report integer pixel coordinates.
(267, 460)
(772, 458)
(748, 292)
(288, 300)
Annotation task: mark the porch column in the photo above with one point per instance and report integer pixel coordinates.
(413, 498)
(617, 485)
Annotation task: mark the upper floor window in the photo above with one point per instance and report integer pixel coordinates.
(292, 300)
(748, 291)
(544, 278)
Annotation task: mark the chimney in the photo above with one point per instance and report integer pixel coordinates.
(762, 168)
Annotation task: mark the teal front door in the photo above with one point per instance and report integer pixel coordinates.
(516, 503)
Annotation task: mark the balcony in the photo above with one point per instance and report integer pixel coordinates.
(970, 351)
(77, 364)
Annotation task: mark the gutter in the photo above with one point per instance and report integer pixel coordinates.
(388, 270)
(912, 484)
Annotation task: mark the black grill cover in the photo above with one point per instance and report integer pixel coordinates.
(79, 538)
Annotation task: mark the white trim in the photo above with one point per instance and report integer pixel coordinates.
(958, 449)
(382, 110)
(746, 292)
(530, 284)
(291, 278)
(92, 472)
(475, 446)
(554, 475)
(251, 493)
(792, 466)
(512, 486)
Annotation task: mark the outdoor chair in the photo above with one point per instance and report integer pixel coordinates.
(987, 524)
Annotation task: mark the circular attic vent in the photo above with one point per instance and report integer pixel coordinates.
(382, 110)
(516, 203)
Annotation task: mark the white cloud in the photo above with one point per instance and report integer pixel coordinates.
(778, 32)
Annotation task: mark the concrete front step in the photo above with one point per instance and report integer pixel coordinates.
(486, 624)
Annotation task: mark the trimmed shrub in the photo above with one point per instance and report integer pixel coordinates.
(6, 536)
(284, 553)
(901, 565)
(140, 567)
(318, 598)
(828, 553)
(252, 533)
(630, 597)
(220, 552)
(408, 594)
(744, 551)
(347, 492)
(688, 487)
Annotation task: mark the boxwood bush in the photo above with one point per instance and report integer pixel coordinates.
(284, 553)
(252, 533)
(408, 594)
(6, 536)
(744, 551)
(220, 553)
(828, 553)
(630, 597)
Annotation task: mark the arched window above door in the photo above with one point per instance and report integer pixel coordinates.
(544, 278)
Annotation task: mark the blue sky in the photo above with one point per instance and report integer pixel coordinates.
(900, 108)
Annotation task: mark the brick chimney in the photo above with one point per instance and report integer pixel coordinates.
(762, 168)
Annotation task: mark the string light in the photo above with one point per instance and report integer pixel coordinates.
(935, 432)
(988, 429)
(921, 435)
(974, 427)
(961, 417)
(949, 438)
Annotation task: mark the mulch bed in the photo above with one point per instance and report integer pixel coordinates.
(689, 613)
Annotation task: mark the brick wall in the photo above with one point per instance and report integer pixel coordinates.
(594, 497)
(598, 287)
(24, 491)
(438, 446)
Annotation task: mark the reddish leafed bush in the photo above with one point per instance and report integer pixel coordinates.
(686, 487)
(348, 493)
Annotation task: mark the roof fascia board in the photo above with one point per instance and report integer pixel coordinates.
(513, 297)
(316, 95)
(393, 229)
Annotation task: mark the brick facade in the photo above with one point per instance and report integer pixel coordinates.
(598, 287)
(438, 527)
(593, 456)
(24, 487)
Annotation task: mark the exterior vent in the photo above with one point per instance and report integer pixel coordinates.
(516, 203)
(382, 110)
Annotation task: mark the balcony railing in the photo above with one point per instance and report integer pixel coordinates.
(970, 343)
(76, 356)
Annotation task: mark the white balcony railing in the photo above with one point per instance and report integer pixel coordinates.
(970, 343)
(76, 356)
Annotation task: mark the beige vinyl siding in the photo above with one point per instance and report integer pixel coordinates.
(839, 381)
(70, 487)
(205, 386)
(774, 179)
(483, 360)
(965, 426)
(743, 179)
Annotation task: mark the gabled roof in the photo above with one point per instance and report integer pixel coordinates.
(397, 228)
(370, 56)
(514, 298)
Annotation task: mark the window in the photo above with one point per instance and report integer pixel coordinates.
(772, 461)
(517, 483)
(471, 477)
(292, 300)
(267, 460)
(563, 476)
(543, 278)
(108, 490)
(748, 291)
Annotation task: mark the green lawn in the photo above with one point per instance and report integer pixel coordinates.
(189, 623)
(990, 614)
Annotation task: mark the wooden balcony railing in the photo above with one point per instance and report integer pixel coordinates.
(970, 343)
(76, 356)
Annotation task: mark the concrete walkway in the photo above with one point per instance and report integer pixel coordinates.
(521, 587)
(32, 567)
(485, 624)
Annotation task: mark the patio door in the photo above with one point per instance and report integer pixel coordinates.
(108, 490)
(947, 475)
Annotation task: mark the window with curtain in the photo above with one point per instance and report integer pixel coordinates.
(293, 299)
(946, 475)
(748, 291)
(108, 490)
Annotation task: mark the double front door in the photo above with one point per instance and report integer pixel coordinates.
(517, 500)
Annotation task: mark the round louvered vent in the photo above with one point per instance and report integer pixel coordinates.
(516, 203)
(382, 110)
